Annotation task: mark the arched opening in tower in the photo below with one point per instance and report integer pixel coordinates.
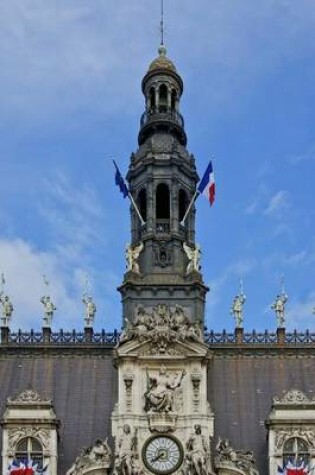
(142, 203)
(163, 98)
(162, 208)
(173, 100)
(182, 204)
(152, 99)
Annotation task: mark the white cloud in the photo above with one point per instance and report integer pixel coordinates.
(24, 267)
(74, 216)
(307, 156)
(300, 313)
(278, 204)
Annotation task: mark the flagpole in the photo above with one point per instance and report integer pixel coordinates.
(136, 208)
(197, 192)
(129, 194)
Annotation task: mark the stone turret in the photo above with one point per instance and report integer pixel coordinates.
(162, 179)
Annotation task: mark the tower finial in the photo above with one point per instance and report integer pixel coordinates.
(162, 23)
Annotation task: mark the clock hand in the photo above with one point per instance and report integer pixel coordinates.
(161, 454)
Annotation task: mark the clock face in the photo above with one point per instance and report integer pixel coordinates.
(162, 454)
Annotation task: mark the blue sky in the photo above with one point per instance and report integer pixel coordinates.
(70, 99)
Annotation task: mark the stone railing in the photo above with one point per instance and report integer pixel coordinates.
(110, 339)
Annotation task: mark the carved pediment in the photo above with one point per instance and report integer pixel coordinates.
(294, 397)
(134, 348)
(161, 325)
(29, 396)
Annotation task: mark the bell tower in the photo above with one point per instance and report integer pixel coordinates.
(162, 422)
(163, 262)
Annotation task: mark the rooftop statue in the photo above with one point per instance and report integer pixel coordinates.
(7, 310)
(90, 310)
(279, 307)
(237, 307)
(49, 309)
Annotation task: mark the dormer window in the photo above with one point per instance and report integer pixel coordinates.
(291, 431)
(29, 431)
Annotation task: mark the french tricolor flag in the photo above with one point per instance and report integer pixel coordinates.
(207, 185)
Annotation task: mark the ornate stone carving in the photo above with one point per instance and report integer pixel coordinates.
(128, 380)
(198, 454)
(293, 397)
(160, 394)
(194, 255)
(228, 458)
(162, 327)
(153, 349)
(132, 255)
(283, 435)
(196, 380)
(163, 256)
(127, 457)
(162, 421)
(98, 456)
(29, 396)
(15, 435)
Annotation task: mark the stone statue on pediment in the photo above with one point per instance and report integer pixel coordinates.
(99, 455)
(226, 456)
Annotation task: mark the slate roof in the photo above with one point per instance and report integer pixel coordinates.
(83, 389)
(82, 383)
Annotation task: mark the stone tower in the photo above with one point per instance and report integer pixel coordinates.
(162, 179)
(162, 422)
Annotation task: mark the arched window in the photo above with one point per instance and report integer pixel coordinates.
(152, 99)
(173, 100)
(29, 449)
(162, 209)
(162, 202)
(296, 451)
(162, 98)
(182, 204)
(142, 203)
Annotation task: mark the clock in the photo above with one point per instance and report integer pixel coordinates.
(162, 454)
